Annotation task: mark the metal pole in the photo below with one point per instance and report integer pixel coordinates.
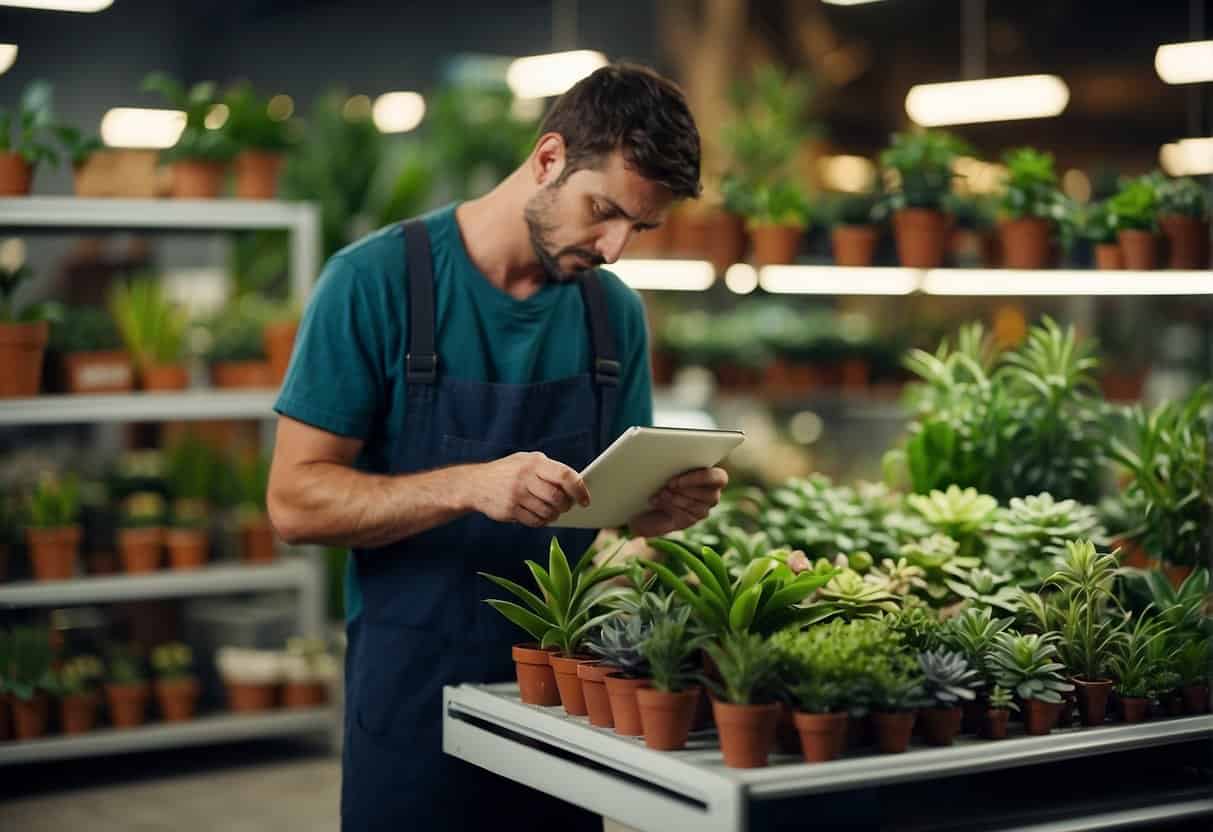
(564, 25)
(973, 39)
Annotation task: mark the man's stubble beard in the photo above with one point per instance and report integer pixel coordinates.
(541, 227)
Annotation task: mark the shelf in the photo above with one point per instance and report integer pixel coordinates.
(55, 213)
(204, 730)
(188, 405)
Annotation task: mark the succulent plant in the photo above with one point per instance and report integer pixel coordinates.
(918, 625)
(1029, 536)
(962, 514)
(983, 588)
(948, 678)
(172, 660)
(847, 595)
(972, 634)
(618, 642)
(897, 577)
(1027, 665)
(1000, 699)
(670, 649)
(747, 667)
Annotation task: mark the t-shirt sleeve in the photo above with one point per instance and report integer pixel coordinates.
(336, 378)
(636, 385)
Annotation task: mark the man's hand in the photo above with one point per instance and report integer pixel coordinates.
(526, 488)
(683, 502)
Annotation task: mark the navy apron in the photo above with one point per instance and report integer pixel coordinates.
(423, 622)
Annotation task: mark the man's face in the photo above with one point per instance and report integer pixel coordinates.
(586, 220)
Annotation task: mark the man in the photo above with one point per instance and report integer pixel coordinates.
(451, 377)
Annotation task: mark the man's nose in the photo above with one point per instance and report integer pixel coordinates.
(613, 240)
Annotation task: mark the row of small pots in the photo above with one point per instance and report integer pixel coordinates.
(127, 707)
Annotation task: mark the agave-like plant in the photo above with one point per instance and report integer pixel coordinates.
(618, 642)
(948, 678)
(1090, 632)
(849, 596)
(972, 635)
(1027, 664)
(1137, 663)
(983, 588)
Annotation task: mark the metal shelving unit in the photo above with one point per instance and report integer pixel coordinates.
(188, 405)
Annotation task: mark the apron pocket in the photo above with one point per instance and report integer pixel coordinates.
(398, 692)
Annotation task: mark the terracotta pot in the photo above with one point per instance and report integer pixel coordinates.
(1133, 708)
(1196, 698)
(102, 563)
(241, 374)
(1177, 573)
(140, 549)
(994, 725)
(940, 725)
(29, 717)
(304, 694)
(593, 688)
(78, 714)
(106, 371)
(257, 174)
(625, 709)
(164, 377)
(1108, 257)
(187, 548)
(279, 341)
(1187, 240)
(178, 698)
(193, 179)
(1025, 243)
(1138, 248)
(1093, 700)
(53, 552)
(1069, 705)
(6, 724)
(536, 679)
(787, 738)
(726, 242)
(257, 541)
(127, 703)
(1039, 718)
(689, 235)
(243, 697)
(893, 730)
(921, 236)
(22, 349)
(854, 245)
(775, 245)
(973, 715)
(16, 175)
(666, 716)
(568, 684)
(822, 736)
(747, 732)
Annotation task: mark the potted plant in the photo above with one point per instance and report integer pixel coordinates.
(1093, 223)
(28, 678)
(854, 231)
(153, 329)
(1136, 666)
(1026, 664)
(53, 531)
(261, 142)
(308, 670)
(278, 341)
(1183, 217)
(948, 680)
(90, 349)
(176, 686)
(1031, 203)
(23, 336)
(252, 677)
(563, 617)
(776, 217)
(76, 686)
(200, 156)
(1192, 664)
(922, 162)
(745, 723)
(192, 470)
(20, 157)
(895, 691)
(140, 534)
(624, 670)
(256, 533)
(971, 634)
(999, 705)
(1133, 211)
(127, 689)
(9, 525)
(817, 670)
(237, 351)
(80, 147)
(667, 704)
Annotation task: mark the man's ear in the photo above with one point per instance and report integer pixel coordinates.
(547, 159)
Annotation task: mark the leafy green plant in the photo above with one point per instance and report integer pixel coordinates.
(784, 203)
(1192, 662)
(983, 588)
(898, 577)
(1136, 664)
(1030, 535)
(1027, 665)
(33, 119)
(1031, 188)
(79, 675)
(563, 616)
(747, 667)
(948, 678)
(856, 209)
(85, 329)
(152, 327)
(972, 634)
(124, 665)
(1000, 699)
(849, 596)
(1183, 197)
(670, 649)
(26, 662)
(173, 660)
(197, 141)
(1091, 222)
(923, 165)
(1135, 206)
(236, 332)
(823, 668)
(962, 514)
(251, 482)
(249, 125)
(55, 502)
(142, 510)
(618, 642)
(1182, 608)
(78, 145)
(479, 136)
(1089, 633)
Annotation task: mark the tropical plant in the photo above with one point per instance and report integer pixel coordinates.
(947, 678)
(249, 124)
(142, 510)
(55, 502)
(1136, 663)
(670, 649)
(1183, 196)
(78, 145)
(563, 616)
(197, 141)
(983, 588)
(1031, 188)
(33, 119)
(1089, 632)
(963, 515)
(152, 327)
(85, 329)
(25, 662)
(972, 635)
(1029, 536)
(747, 667)
(1135, 206)
(923, 165)
(1027, 665)
(79, 675)
(124, 665)
(173, 660)
(1000, 699)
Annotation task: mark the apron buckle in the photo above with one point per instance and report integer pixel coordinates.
(607, 372)
(421, 369)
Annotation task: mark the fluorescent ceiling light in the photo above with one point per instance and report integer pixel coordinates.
(1017, 283)
(671, 275)
(61, 5)
(1187, 157)
(142, 128)
(1185, 63)
(837, 280)
(398, 112)
(990, 99)
(539, 76)
(741, 278)
(8, 56)
(849, 2)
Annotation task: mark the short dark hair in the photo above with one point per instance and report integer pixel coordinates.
(630, 108)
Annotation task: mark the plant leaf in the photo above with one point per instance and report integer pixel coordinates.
(524, 618)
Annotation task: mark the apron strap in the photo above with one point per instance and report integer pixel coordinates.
(605, 367)
(421, 361)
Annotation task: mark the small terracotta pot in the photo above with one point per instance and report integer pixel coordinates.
(726, 240)
(257, 541)
(974, 715)
(1133, 708)
(666, 716)
(53, 552)
(787, 738)
(1025, 243)
(893, 730)
(178, 698)
(747, 732)
(1069, 706)
(1196, 698)
(103, 371)
(304, 694)
(568, 684)
(193, 179)
(1177, 573)
(78, 714)
(187, 548)
(127, 703)
(29, 716)
(921, 236)
(1138, 248)
(1093, 700)
(140, 549)
(822, 736)
(164, 377)
(775, 245)
(593, 688)
(625, 708)
(22, 349)
(1108, 257)
(1039, 718)
(940, 725)
(1187, 240)
(279, 341)
(243, 697)
(257, 174)
(536, 679)
(994, 726)
(854, 245)
(241, 374)
(16, 175)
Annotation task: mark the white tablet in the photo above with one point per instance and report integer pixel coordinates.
(637, 465)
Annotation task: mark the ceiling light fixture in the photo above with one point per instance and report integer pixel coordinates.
(667, 275)
(837, 280)
(60, 5)
(8, 56)
(540, 76)
(398, 112)
(138, 127)
(1185, 63)
(988, 99)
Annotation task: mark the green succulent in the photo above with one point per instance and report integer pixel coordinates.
(25, 662)
(899, 577)
(849, 596)
(1090, 632)
(618, 642)
(1027, 665)
(917, 624)
(948, 678)
(923, 164)
(173, 660)
(1000, 699)
(983, 588)
(152, 327)
(963, 515)
(972, 634)
(79, 675)
(124, 665)
(670, 649)
(1029, 536)
(747, 667)
(1031, 186)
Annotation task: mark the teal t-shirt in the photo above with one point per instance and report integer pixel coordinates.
(347, 372)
